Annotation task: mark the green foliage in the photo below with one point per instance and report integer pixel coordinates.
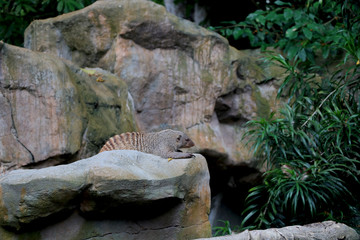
(223, 230)
(16, 15)
(312, 145)
(311, 164)
(301, 28)
(312, 148)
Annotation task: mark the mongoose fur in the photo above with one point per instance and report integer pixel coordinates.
(166, 143)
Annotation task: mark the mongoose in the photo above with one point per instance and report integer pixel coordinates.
(166, 143)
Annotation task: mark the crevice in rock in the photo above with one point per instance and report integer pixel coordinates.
(180, 90)
(151, 35)
(113, 235)
(162, 228)
(19, 88)
(107, 208)
(96, 105)
(229, 186)
(14, 131)
(84, 140)
(228, 108)
(266, 81)
(53, 161)
(40, 223)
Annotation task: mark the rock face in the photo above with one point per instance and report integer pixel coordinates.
(329, 230)
(54, 111)
(179, 74)
(113, 195)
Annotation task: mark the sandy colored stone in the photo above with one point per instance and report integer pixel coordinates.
(53, 111)
(179, 74)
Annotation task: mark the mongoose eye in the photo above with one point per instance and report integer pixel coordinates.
(178, 138)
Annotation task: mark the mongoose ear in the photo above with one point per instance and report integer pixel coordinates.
(178, 138)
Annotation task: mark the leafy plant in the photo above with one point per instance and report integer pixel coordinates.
(308, 171)
(223, 230)
(312, 145)
(65, 6)
(312, 150)
(301, 28)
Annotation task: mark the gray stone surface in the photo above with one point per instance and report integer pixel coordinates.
(328, 230)
(118, 193)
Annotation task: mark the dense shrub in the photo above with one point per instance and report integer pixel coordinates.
(301, 28)
(312, 146)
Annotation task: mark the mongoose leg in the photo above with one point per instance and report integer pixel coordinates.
(176, 155)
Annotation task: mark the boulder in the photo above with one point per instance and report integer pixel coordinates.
(112, 195)
(328, 230)
(180, 75)
(53, 111)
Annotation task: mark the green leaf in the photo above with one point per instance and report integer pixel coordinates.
(281, 3)
(249, 216)
(288, 14)
(307, 32)
(291, 33)
(314, 26)
(60, 6)
(292, 51)
(18, 9)
(298, 14)
(261, 35)
(325, 51)
(272, 16)
(229, 32)
(302, 55)
(237, 33)
(261, 19)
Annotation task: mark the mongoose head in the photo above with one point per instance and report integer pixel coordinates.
(177, 139)
(184, 141)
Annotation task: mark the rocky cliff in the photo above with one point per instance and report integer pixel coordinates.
(179, 74)
(126, 65)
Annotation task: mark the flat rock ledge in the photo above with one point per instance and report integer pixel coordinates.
(113, 195)
(328, 230)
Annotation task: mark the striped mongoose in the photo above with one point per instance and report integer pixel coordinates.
(166, 143)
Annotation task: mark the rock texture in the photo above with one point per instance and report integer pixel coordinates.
(329, 230)
(179, 74)
(52, 111)
(113, 195)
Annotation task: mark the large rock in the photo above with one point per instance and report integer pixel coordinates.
(113, 195)
(53, 111)
(328, 230)
(179, 74)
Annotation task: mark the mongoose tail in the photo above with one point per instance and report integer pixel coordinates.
(166, 143)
